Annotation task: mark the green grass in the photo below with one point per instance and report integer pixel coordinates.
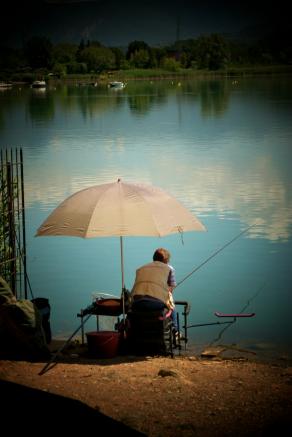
(152, 74)
(136, 74)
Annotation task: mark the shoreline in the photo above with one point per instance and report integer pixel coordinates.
(261, 353)
(233, 72)
(155, 396)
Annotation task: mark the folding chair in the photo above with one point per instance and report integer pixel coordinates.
(151, 331)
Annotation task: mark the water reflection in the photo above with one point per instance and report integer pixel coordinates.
(40, 105)
(89, 101)
(227, 145)
(211, 189)
(140, 97)
(214, 97)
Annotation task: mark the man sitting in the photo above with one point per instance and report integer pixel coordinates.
(154, 285)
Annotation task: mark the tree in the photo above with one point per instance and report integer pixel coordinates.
(212, 52)
(119, 56)
(64, 53)
(140, 58)
(98, 58)
(38, 51)
(80, 49)
(93, 44)
(76, 68)
(59, 70)
(135, 46)
(156, 55)
(170, 64)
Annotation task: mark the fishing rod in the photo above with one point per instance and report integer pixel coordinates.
(233, 316)
(52, 362)
(215, 253)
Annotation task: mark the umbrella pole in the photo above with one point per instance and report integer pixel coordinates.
(123, 277)
(122, 263)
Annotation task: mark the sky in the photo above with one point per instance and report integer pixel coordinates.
(117, 23)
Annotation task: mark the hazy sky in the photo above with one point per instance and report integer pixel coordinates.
(120, 22)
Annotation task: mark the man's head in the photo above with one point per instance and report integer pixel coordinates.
(161, 255)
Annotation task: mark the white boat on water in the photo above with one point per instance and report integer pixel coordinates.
(116, 84)
(5, 85)
(39, 84)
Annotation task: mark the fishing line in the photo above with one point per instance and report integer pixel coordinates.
(214, 254)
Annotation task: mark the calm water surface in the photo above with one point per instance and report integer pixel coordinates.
(222, 147)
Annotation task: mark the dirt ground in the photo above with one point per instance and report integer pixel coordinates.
(186, 395)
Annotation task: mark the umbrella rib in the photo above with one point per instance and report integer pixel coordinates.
(175, 228)
(101, 197)
(139, 195)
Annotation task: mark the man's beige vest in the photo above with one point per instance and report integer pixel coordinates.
(151, 279)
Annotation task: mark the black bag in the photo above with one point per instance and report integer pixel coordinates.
(44, 308)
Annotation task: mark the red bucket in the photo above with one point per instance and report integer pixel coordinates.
(103, 344)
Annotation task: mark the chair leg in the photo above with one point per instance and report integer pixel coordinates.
(170, 338)
(178, 329)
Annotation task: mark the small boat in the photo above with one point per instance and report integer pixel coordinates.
(87, 84)
(5, 85)
(116, 84)
(39, 84)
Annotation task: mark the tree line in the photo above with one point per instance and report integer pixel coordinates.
(209, 52)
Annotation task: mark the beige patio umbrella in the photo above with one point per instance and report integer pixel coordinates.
(119, 209)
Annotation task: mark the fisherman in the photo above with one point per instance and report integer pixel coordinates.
(154, 285)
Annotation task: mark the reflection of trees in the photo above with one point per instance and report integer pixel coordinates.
(2, 112)
(91, 101)
(214, 96)
(143, 95)
(9, 99)
(41, 105)
(140, 104)
(269, 87)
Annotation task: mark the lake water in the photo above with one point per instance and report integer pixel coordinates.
(222, 147)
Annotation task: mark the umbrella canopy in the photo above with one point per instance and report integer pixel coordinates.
(120, 209)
